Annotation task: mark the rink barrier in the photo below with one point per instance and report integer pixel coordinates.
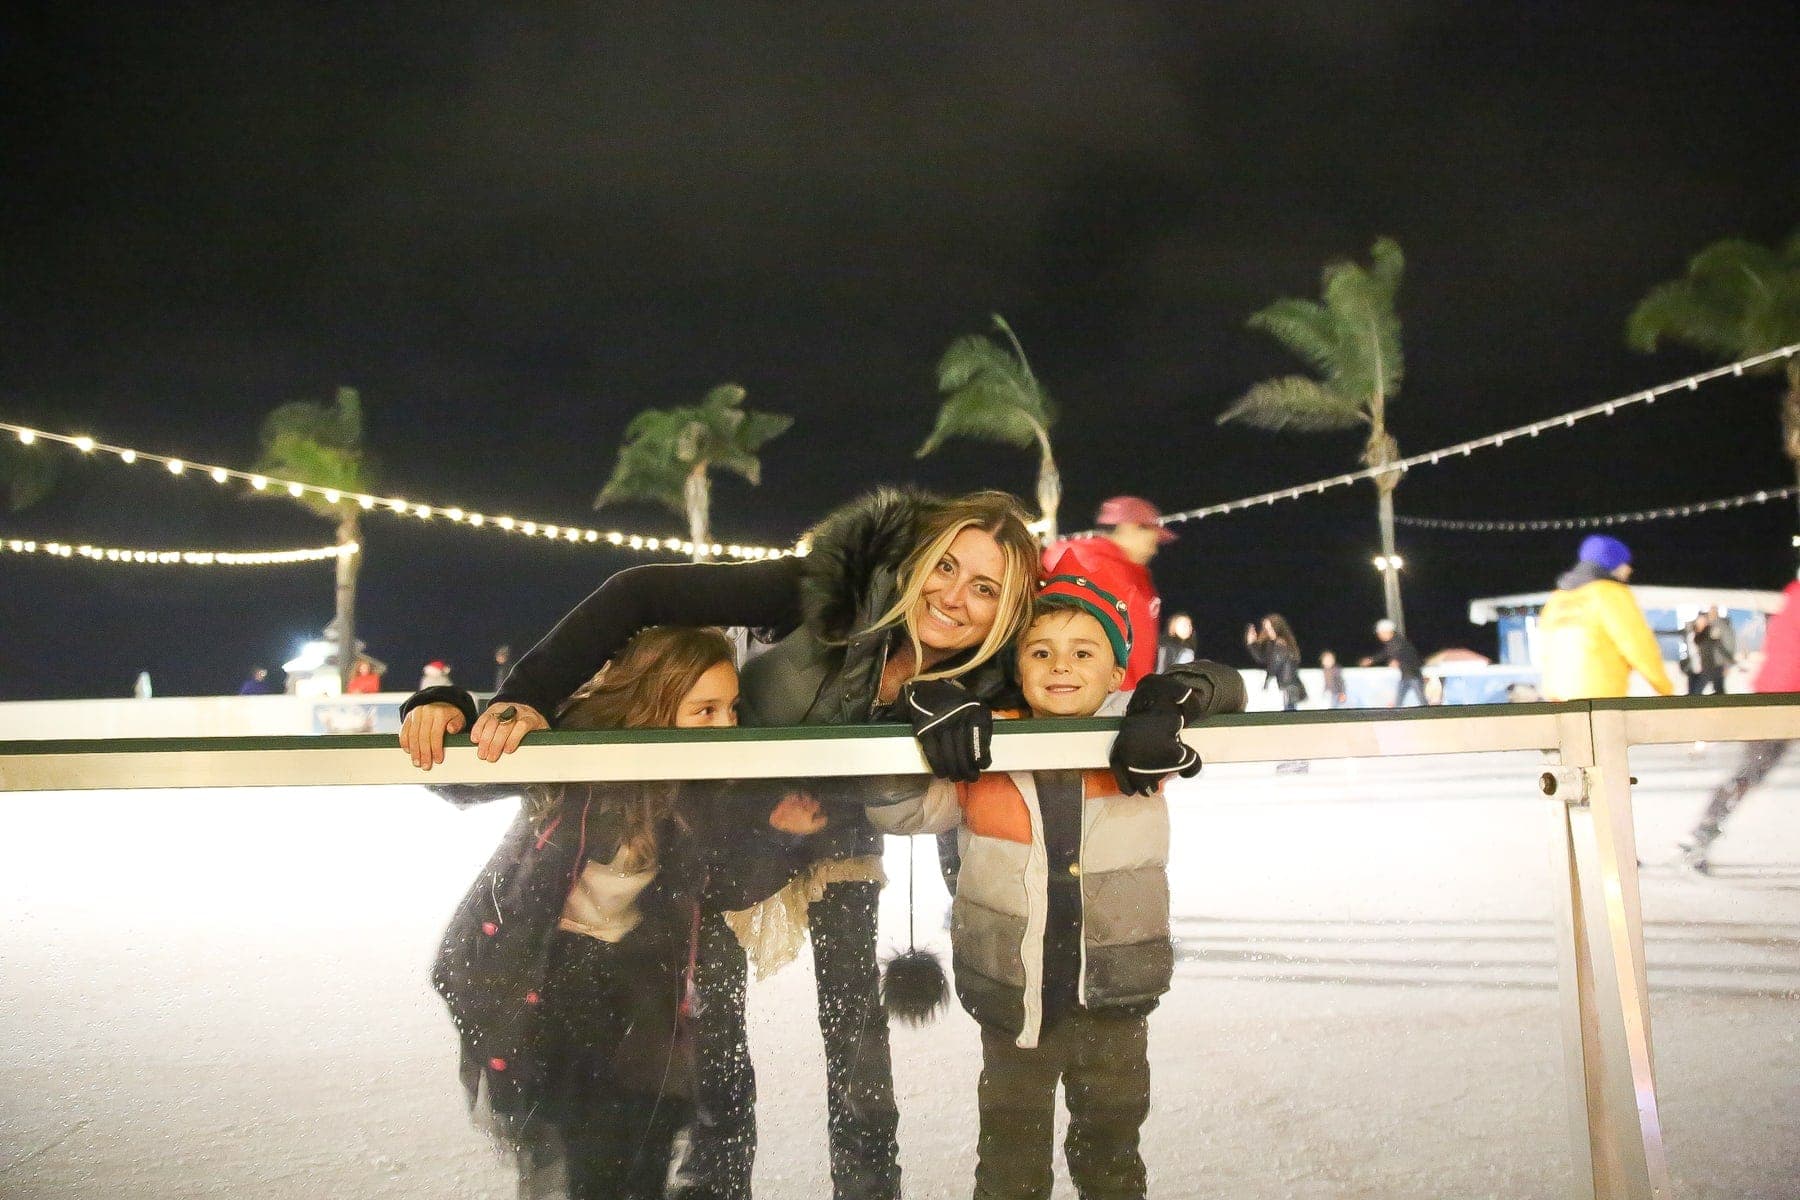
(1615, 1126)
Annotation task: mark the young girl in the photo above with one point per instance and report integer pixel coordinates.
(566, 965)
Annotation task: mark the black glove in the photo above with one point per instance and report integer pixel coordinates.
(1149, 744)
(955, 730)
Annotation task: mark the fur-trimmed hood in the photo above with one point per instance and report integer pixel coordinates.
(855, 551)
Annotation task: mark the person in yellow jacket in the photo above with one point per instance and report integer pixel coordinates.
(1591, 633)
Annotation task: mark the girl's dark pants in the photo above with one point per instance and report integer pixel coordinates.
(861, 1118)
(608, 1048)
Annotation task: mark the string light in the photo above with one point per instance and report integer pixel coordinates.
(186, 558)
(459, 514)
(1624, 518)
(1430, 458)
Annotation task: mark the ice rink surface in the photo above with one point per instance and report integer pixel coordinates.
(223, 993)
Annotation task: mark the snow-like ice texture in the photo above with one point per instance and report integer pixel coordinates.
(224, 994)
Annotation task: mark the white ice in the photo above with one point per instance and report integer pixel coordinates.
(223, 993)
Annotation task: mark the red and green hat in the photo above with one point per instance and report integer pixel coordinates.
(1071, 587)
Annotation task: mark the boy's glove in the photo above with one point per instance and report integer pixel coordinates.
(955, 730)
(1149, 744)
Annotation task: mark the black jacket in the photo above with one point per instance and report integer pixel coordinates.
(494, 963)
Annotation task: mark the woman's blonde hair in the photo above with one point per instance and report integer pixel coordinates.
(999, 515)
(640, 689)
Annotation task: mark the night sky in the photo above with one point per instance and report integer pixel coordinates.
(513, 228)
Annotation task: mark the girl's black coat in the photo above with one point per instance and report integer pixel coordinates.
(493, 966)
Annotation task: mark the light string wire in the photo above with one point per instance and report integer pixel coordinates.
(1464, 449)
(187, 558)
(397, 506)
(1624, 518)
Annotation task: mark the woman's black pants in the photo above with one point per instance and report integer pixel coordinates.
(861, 1119)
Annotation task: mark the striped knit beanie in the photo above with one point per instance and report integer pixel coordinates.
(1070, 587)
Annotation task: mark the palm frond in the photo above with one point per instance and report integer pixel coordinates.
(982, 410)
(1304, 327)
(1368, 361)
(1676, 311)
(1295, 402)
(662, 445)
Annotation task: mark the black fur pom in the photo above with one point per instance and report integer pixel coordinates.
(913, 987)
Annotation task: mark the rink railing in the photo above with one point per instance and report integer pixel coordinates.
(1585, 792)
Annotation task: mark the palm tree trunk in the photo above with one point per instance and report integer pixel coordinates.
(1390, 574)
(698, 495)
(348, 532)
(1049, 488)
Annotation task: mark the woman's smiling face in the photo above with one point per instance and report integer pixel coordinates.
(961, 596)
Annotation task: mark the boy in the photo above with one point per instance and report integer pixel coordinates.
(1060, 927)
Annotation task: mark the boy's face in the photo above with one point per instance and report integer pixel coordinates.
(1066, 665)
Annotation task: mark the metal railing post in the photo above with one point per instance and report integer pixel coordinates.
(1615, 1123)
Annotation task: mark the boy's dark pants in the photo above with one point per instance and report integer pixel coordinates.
(1103, 1064)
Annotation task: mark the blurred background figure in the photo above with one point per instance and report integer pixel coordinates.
(141, 689)
(502, 665)
(365, 679)
(1336, 694)
(1708, 647)
(1275, 649)
(436, 674)
(1398, 651)
(257, 683)
(1780, 672)
(1177, 644)
(1591, 633)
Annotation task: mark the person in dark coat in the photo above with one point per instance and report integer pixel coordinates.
(1275, 649)
(1398, 651)
(567, 964)
(898, 612)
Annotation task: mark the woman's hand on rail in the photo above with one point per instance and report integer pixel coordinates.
(422, 732)
(501, 728)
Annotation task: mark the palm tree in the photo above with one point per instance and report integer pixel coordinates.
(1738, 299)
(312, 443)
(990, 394)
(668, 453)
(1352, 340)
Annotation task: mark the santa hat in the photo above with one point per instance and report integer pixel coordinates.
(1069, 586)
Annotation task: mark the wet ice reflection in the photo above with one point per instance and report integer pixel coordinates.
(227, 992)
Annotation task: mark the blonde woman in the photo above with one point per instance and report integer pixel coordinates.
(899, 611)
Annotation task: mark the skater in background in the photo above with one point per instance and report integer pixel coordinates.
(1591, 633)
(1780, 672)
(1177, 645)
(1337, 695)
(502, 665)
(365, 679)
(1398, 651)
(437, 674)
(1705, 654)
(567, 964)
(257, 683)
(1273, 645)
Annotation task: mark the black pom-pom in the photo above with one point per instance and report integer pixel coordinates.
(913, 986)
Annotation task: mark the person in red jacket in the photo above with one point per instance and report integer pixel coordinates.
(1131, 532)
(1780, 672)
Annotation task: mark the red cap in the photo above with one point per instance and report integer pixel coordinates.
(1071, 586)
(437, 665)
(1134, 510)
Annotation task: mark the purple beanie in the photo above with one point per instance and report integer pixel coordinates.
(1607, 553)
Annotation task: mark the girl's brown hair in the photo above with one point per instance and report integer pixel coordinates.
(1284, 632)
(999, 515)
(640, 689)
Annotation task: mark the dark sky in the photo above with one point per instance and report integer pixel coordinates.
(513, 227)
